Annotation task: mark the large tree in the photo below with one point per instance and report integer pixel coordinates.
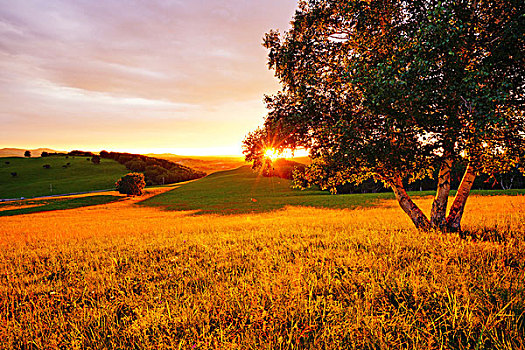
(398, 91)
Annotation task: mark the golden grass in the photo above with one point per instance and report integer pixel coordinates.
(124, 276)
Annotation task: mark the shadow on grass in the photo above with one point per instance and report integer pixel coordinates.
(495, 234)
(37, 206)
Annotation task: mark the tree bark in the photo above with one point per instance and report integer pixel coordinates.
(458, 206)
(438, 214)
(416, 215)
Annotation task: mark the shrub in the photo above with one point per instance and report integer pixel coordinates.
(14, 174)
(131, 184)
(8, 162)
(47, 166)
(44, 154)
(95, 159)
(27, 154)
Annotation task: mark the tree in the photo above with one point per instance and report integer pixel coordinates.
(27, 154)
(398, 91)
(95, 159)
(131, 184)
(44, 154)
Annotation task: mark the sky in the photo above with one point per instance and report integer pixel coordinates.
(143, 76)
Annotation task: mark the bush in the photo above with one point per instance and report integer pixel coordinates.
(95, 159)
(14, 174)
(131, 184)
(47, 166)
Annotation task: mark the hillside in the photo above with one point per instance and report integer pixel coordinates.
(18, 152)
(32, 179)
(243, 190)
(208, 164)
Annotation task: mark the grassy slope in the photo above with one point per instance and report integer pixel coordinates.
(242, 190)
(33, 180)
(208, 164)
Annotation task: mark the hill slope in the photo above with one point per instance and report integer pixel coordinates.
(33, 180)
(242, 190)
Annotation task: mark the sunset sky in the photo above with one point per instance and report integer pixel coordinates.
(151, 76)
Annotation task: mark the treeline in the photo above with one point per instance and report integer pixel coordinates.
(156, 171)
(513, 179)
(500, 181)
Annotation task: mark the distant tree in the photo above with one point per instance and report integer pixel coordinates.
(104, 154)
(46, 166)
(95, 159)
(131, 184)
(44, 154)
(136, 165)
(14, 174)
(27, 154)
(399, 91)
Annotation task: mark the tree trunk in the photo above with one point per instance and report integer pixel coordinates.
(416, 215)
(438, 215)
(456, 211)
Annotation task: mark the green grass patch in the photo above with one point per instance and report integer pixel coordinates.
(242, 190)
(33, 180)
(55, 204)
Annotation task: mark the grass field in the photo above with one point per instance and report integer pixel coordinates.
(243, 191)
(121, 275)
(33, 180)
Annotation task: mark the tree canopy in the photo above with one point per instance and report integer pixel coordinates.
(399, 90)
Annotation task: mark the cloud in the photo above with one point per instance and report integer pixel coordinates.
(108, 61)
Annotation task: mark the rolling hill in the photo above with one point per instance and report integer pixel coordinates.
(33, 180)
(243, 190)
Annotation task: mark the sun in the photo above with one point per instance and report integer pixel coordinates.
(271, 153)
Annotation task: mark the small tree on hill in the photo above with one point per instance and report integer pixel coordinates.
(44, 154)
(131, 184)
(27, 154)
(95, 159)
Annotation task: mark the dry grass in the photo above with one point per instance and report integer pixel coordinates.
(124, 276)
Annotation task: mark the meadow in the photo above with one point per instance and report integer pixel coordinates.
(33, 180)
(121, 275)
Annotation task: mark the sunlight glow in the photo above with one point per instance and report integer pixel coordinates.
(271, 153)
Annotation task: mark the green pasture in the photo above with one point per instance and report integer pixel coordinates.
(243, 190)
(33, 180)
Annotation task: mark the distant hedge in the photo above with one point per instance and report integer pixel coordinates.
(156, 171)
